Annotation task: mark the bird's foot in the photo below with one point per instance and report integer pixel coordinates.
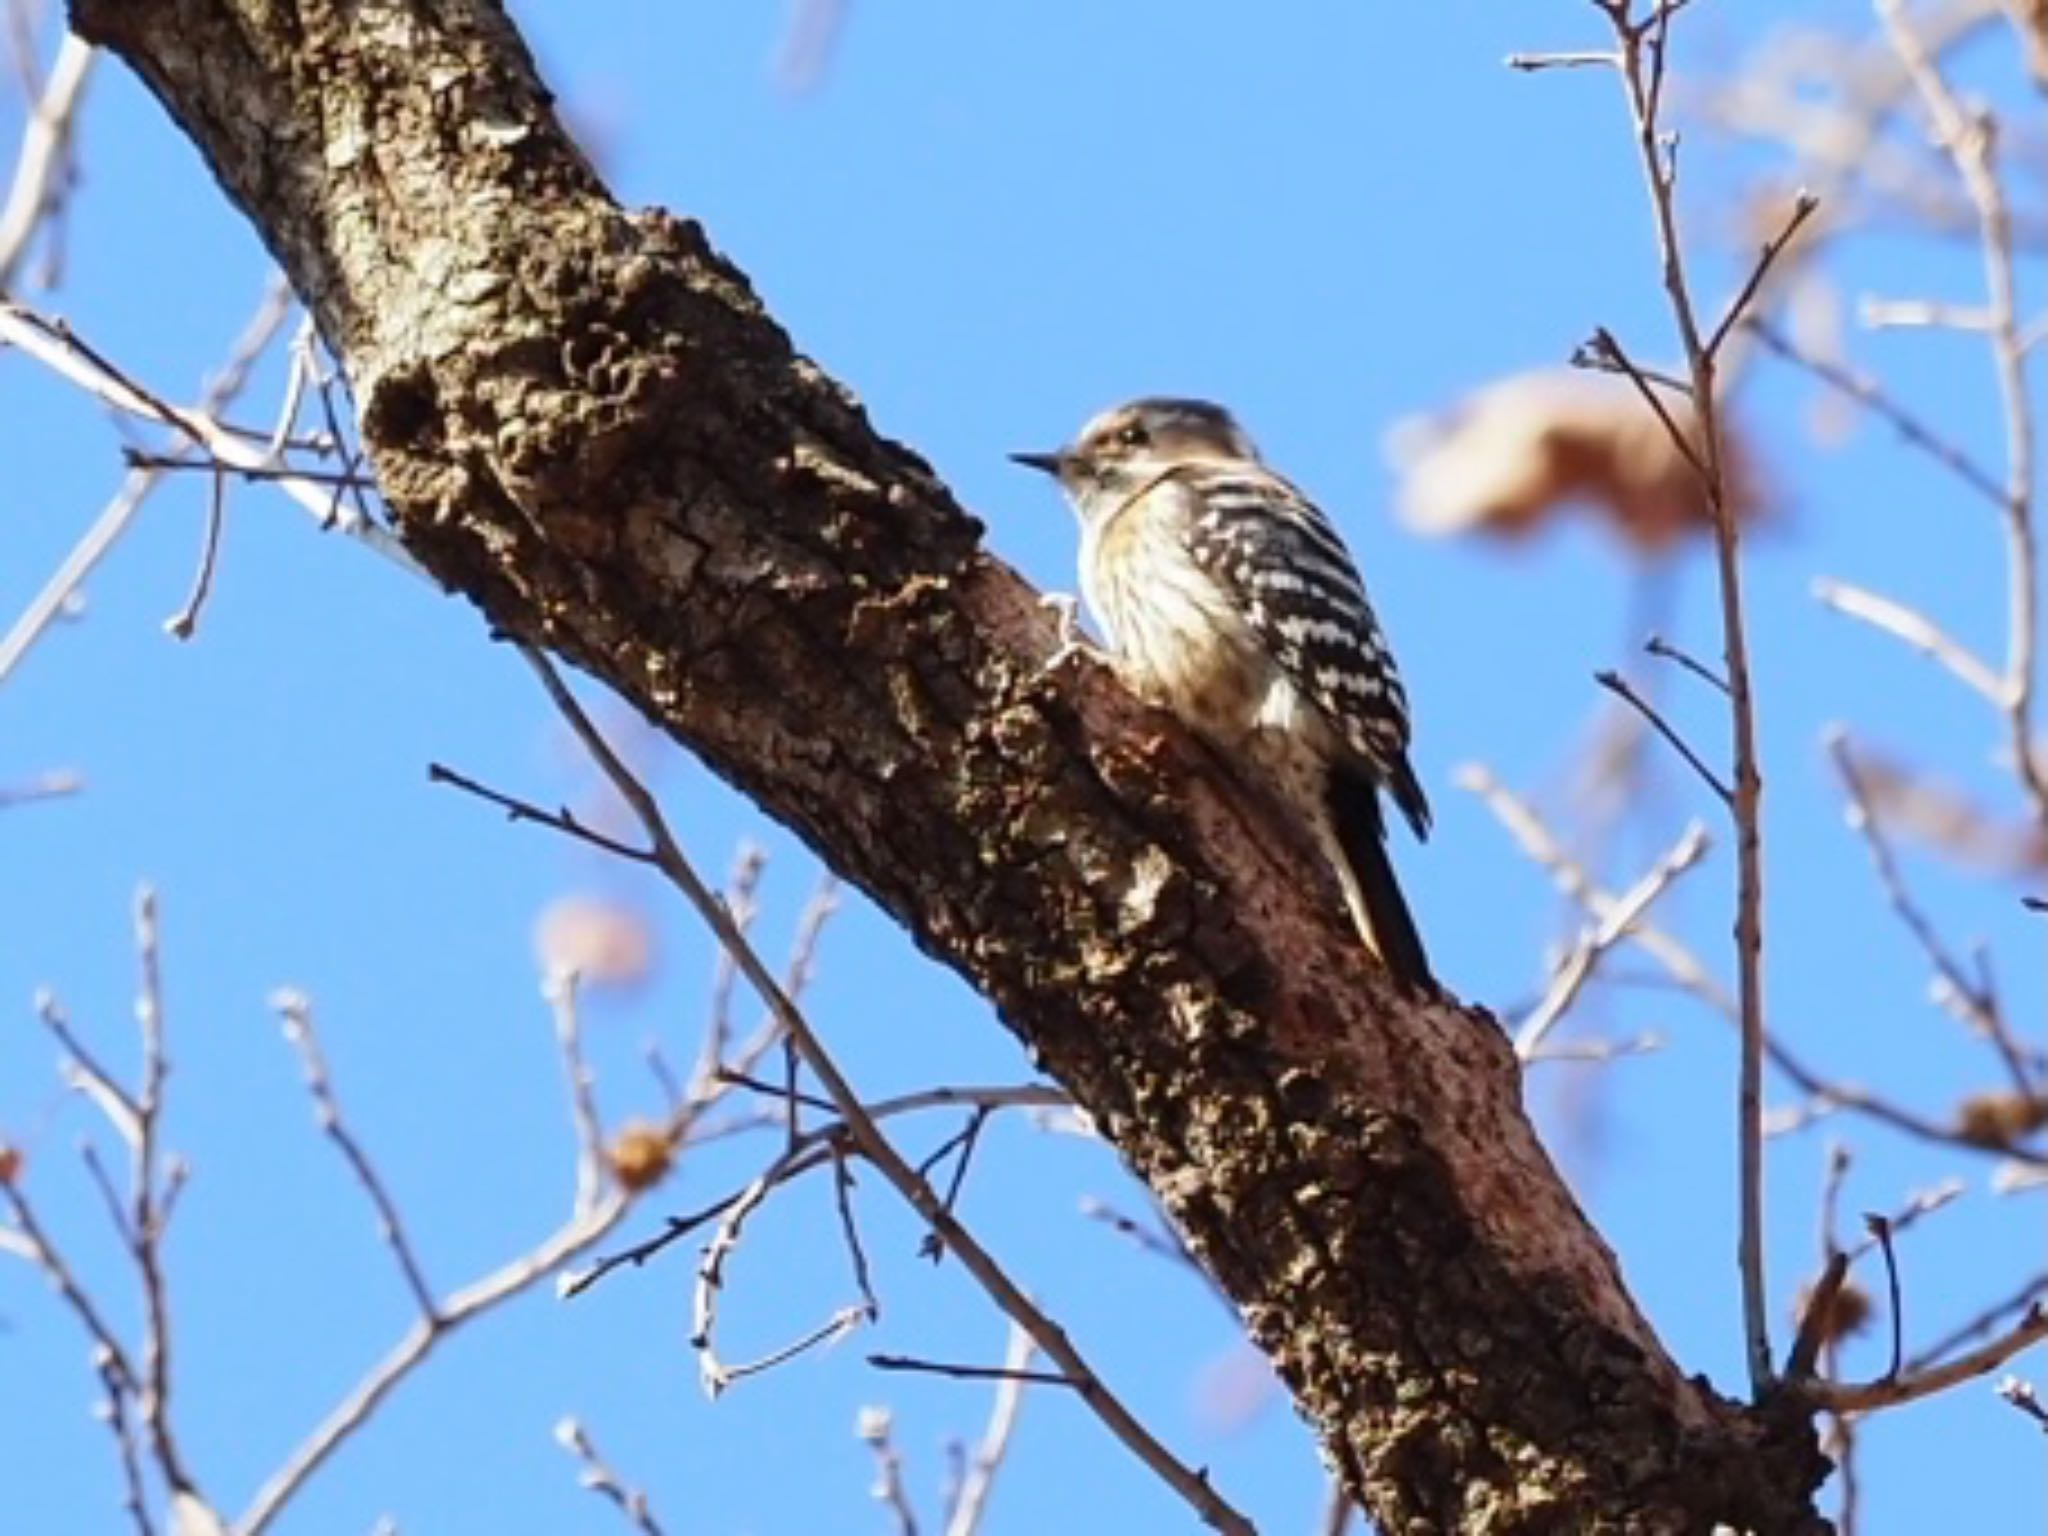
(1072, 644)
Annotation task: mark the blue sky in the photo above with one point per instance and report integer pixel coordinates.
(988, 221)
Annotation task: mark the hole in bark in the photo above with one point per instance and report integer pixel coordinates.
(402, 410)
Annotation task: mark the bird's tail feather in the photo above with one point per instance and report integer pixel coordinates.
(1370, 889)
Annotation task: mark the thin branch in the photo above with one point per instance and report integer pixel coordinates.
(55, 784)
(876, 1428)
(842, 1194)
(598, 1477)
(418, 1342)
(969, 1138)
(1910, 1386)
(815, 1151)
(742, 887)
(669, 857)
(1595, 942)
(1690, 976)
(1921, 315)
(1598, 1051)
(1916, 629)
(84, 1070)
(830, 1331)
(146, 1216)
(295, 1011)
(1870, 394)
(40, 169)
(1968, 139)
(114, 1409)
(106, 530)
(1605, 352)
(1881, 1232)
(2028, 1295)
(2022, 1396)
(970, 1507)
(1664, 650)
(1644, 52)
(1975, 1004)
(182, 624)
(912, 1364)
(1620, 686)
(1532, 63)
(36, 1247)
(1803, 205)
(584, 1229)
(559, 990)
(60, 349)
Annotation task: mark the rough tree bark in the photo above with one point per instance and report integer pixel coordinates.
(584, 422)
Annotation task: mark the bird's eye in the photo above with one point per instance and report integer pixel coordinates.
(1133, 436)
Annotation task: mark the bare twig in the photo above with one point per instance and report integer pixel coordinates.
(1595, 942)
(1922, 315)
(1803, 205)
(585, 1227)
(1690, 976)
(598, 1476)
(842, 1194)
(1968, 138)
(1597, 1051)
(667, 855)
(146, 1212)
(114, 1409)
(1918, 1206)
(1157, 1241)
(106, 530)
(969, 1138)
(912, 1364)
(742, 887)
(1532, 63)
(1881, 1231)
(40, 169)
(1910, 1386)
(1619, 686)
(970, 1507)
(84, 1070)
(558, 988)
(182, 624)
(418, 1342)
(1643, 46)
(2022, 1396)
(1605, 352)
(1976, 1004)
(2028, 1295)
(59, 348)
(295, 1010)
(1871, 395)
(1913, 627)
(52, 785)
(110, 1356)
(876, 1428)
(1664, 650)
(815, 1151)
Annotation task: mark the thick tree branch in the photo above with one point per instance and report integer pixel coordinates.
(584, 422)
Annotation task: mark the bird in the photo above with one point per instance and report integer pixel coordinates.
(1228, 598)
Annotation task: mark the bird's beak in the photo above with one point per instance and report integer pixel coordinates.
(1053, 464)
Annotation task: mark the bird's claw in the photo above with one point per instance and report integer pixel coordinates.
(1071, 643)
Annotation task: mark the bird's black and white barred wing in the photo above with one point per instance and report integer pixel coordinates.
(1275, 553)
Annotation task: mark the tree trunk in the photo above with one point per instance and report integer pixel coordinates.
(583, 421)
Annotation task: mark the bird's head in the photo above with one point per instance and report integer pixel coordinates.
(1128, 447)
